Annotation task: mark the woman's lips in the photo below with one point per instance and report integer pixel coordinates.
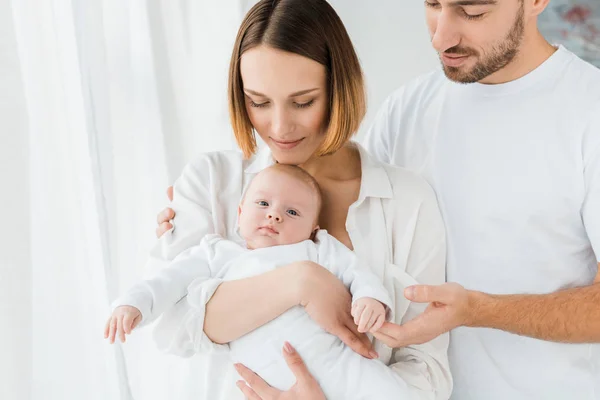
(286, 144)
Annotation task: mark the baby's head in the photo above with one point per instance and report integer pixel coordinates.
(281, 206)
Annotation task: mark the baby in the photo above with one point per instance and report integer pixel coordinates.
(277, 220)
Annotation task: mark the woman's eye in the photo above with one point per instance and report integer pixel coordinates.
(304, 105)
(293, 212)
(258, 105)
(263, 203)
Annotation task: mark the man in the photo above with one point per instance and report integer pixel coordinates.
(509, 137)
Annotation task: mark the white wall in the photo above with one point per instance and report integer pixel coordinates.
(391, 39)
(15, 277)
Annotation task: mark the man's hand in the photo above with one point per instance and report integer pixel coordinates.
(449, 307)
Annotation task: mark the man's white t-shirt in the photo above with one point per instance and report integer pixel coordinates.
(516, 168)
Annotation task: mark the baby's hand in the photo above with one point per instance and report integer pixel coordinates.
(369, 314)
(122, 322)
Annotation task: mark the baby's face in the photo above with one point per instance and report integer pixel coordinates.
(278, 209)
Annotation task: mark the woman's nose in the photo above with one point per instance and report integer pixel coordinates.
(281, 124)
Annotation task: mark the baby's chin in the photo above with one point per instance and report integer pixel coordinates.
(261, 241)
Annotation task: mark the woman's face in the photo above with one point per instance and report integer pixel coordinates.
(287, 101)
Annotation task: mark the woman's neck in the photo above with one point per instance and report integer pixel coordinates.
(343, 165)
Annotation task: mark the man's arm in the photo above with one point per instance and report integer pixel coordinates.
(570, 315)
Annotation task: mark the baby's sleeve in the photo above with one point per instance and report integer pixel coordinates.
(181, 330)
(355, 274)
(169, 285)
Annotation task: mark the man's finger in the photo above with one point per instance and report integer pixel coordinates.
(247, 390)
(388, 340)
(422, 329)
(170, 193)
(256, 382)
(429, 293)
(378, 323)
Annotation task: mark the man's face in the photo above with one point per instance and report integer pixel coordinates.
(475, 38)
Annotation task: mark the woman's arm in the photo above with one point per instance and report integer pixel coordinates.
(238, 307)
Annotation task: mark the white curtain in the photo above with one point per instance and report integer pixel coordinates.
(118, 96)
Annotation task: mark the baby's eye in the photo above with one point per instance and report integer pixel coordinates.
(263, 203)
(293, 212)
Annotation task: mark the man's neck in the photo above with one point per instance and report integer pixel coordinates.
(533, 53)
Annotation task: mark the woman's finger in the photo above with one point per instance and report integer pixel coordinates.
(247, 390)
(256, 382)
(355, 340)
(294, 361)
(362, 337)
(170, 193)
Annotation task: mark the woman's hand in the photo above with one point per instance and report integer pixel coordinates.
(165, 216)
(328, 303)
(306, 387)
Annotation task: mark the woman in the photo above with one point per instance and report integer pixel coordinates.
(295, 80)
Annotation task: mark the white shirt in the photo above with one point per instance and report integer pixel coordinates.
(395, 227)
(516, 168)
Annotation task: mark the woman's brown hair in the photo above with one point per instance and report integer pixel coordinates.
(310, 28)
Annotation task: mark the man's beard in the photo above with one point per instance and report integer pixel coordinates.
(490, 62)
